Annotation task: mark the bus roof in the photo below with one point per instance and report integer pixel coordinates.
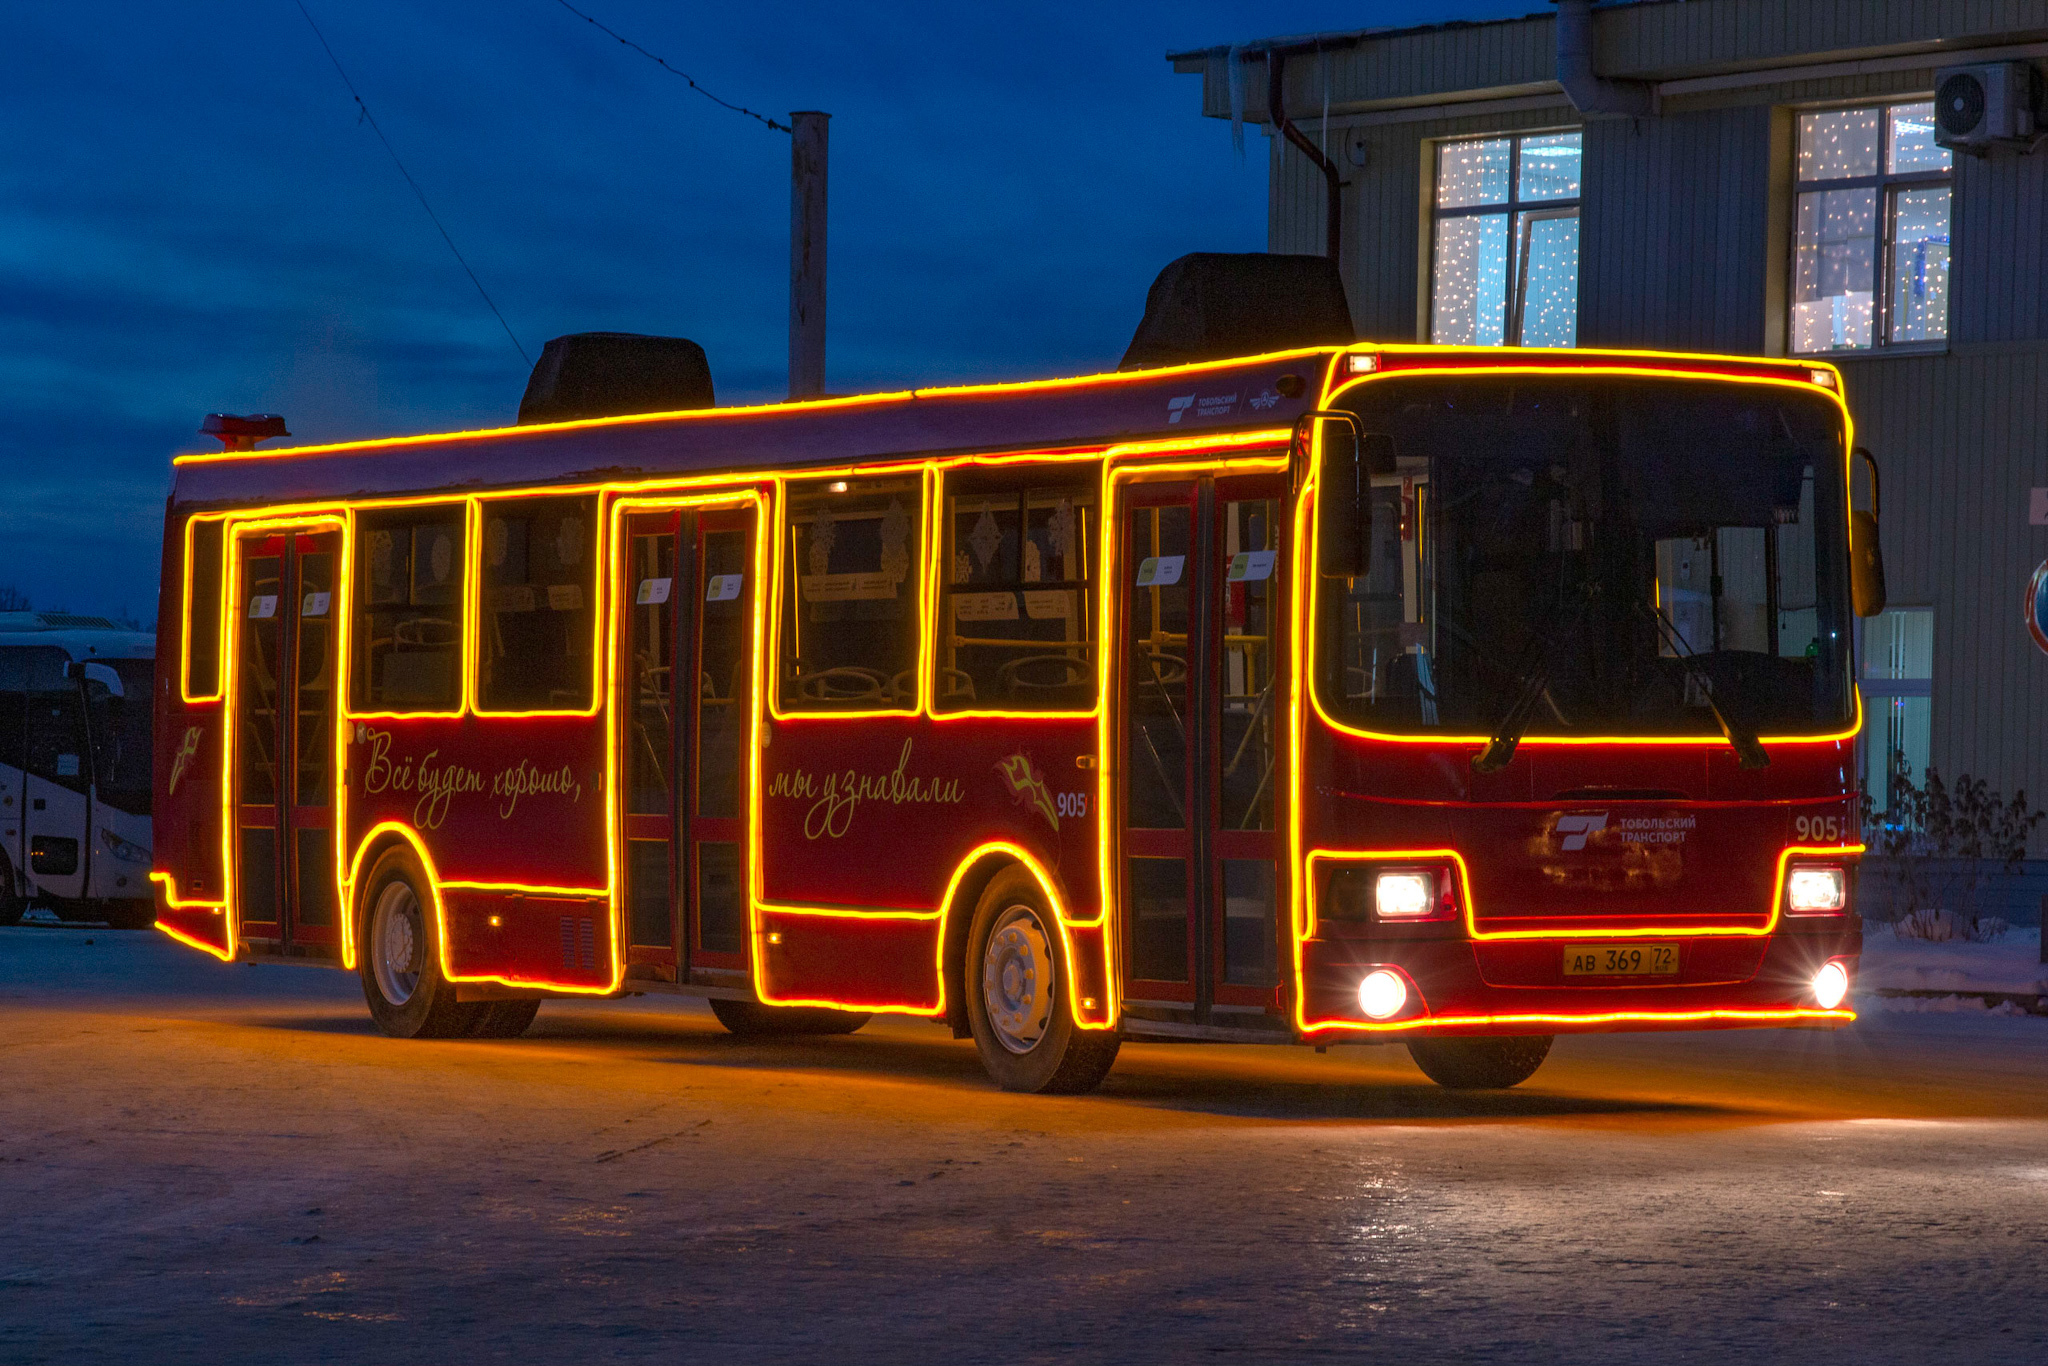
(1215, 397)
(81, 637)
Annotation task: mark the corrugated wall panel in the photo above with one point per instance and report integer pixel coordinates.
(1961, 439)
(1673, 231)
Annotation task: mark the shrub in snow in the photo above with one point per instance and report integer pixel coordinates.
(1940, 927)
(1942, 843)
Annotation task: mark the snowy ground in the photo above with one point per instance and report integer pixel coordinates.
(209, 1163)
(2010, 964)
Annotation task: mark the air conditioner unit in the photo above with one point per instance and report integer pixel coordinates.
(1991, 104)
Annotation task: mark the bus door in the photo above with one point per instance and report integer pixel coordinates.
(286, 652)
(686, 596)
(56, 782)
(1202, 573)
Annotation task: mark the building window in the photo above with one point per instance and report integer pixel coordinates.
(1898, 697)
(1505, 251)
(1870, 259)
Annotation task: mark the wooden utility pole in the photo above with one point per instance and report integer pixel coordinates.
(807, 254)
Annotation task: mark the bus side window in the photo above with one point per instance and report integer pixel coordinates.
(55, 730)
(1016, 618)
(408, 610)
(850, 604)
(536, 651)
(203, 541)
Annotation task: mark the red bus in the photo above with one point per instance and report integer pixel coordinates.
(1460, 698)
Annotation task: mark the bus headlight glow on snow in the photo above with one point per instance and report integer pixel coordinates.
(1830, 985)
(1815, 891)
(1404, 895)
(1382, 994)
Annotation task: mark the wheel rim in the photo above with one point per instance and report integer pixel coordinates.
(1017, 979)
(396, 941)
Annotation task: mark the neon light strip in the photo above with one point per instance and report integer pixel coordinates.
(219, 620)
(1774, 1016)
(1110, 379)
(1591, 370)
(1477, 935)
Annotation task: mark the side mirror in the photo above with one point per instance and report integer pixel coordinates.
(1866, 556)
(1348, 457)
(92, 671)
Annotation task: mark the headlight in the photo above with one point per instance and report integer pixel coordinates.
(122, 849)
(1830, 985)
(1816, 891)
(1404, 895)
(1382, 993)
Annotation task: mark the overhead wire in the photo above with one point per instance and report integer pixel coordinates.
(728, 104)
(435, 218)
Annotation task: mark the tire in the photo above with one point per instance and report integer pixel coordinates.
(752, 1020)
(1480, 1064)
(1017, 991)
(503, 1019)
(401, 971)
(127, 915)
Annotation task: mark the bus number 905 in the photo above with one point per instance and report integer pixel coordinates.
(1072, 803)
(1827, 828)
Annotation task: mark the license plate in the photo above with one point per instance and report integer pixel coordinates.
(1621, 960)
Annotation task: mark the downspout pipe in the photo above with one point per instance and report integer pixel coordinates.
(1592, 94)
(1276, 110)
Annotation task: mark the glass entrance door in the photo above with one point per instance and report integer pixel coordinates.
(285, 655)
(686, 597)
(1202, 575)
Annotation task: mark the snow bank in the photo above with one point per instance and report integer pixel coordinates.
(2012, 963)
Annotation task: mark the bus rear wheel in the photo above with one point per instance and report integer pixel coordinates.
(751, 1019)
(1480, 1064)
(401, 971)
(1017, 988)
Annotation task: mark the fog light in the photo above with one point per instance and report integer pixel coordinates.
(1830, 985)
(1382, 994)
(1403, 896)
(1816, 891)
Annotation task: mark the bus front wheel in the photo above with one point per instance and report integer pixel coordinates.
(1017, 988)
(398, 958)
(1480, 1064)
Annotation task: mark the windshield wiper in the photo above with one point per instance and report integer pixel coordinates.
(1748, 751)
(1507, 732)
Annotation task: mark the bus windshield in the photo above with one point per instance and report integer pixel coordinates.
(1595, 556)
(120, 731)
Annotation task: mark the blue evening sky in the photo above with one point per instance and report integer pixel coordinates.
(192, 219)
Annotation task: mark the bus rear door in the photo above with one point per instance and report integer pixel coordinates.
(1201, 686)
(284, 698)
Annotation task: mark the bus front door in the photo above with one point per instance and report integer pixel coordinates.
(1202, 576)
(685, 596)
(284, 737)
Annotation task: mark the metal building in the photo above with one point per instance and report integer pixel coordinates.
(1756, 176)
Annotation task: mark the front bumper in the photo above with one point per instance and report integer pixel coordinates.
(1461, 987)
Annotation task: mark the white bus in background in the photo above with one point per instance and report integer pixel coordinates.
(75, 768)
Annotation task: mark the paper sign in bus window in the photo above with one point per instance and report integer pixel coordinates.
(1160, 571)
(315, 604)
(653, 592)
(984, 606)
(263, 607)
(1251, 566)
(723, 587)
